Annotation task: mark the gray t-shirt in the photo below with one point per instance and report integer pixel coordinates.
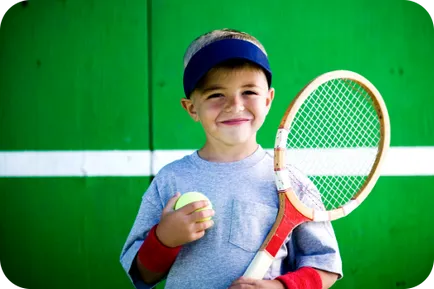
(245, 200)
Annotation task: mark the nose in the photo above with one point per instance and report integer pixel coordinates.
(234, 104)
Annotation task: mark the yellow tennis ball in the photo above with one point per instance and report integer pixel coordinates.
(190, 197)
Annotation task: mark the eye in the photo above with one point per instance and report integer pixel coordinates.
(215, 95)
(250, 92)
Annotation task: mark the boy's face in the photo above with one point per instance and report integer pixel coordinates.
(231, 104)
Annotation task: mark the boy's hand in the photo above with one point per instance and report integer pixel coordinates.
(249, 283)
(183, 226)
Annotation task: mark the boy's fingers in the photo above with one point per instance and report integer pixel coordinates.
(199, 235)
(244, 280)
(192, 207)
(171, 203)
(203, 214)
(205, 225)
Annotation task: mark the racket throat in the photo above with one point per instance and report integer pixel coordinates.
(288, 219)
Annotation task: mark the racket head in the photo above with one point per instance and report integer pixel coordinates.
(337, 122)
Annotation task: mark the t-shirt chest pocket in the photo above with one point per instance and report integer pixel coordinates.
(250, 224)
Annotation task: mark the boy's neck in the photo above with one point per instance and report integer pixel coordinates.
(222, 153)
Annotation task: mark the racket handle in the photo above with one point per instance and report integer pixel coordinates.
(259, 265)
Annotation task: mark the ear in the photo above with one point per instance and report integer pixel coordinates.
(269, 99)
(188, 105)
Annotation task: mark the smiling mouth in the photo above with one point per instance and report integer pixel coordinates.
(235, 121)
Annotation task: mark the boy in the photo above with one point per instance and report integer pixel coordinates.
(227, 83)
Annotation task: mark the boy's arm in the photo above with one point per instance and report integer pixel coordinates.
(148, 215)
(159, 250)
(314, 244)
(328, 278)
(154, 259)
(314, 251)
(304, 278)
(148, 276)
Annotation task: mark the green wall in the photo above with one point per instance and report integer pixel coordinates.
(107, 75)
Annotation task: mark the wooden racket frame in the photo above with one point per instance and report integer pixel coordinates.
(289, 203)
(380, 108)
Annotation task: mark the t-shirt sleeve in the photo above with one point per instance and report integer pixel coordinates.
(314, 245)
(148, 215)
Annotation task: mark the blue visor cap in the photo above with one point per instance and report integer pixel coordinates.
(218, 52)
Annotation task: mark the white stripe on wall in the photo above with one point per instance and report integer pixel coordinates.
(400, 161)
(74, 163)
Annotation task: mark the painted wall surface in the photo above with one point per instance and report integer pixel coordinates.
(100, 75)
(74, 76)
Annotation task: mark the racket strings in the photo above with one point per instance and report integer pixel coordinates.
(329, 122)
(329, 185)
(335, 135)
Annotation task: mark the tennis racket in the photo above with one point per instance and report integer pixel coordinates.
(335, 133)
